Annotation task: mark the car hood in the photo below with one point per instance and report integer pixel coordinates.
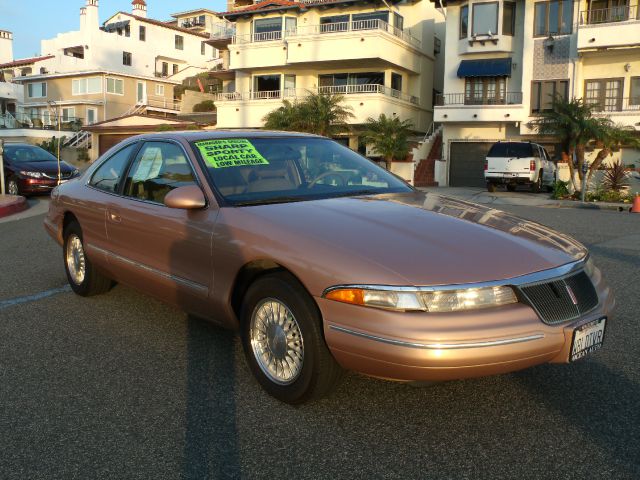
(411, 239)
(49, 167)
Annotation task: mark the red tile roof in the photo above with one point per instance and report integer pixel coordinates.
(25, 61)
(139, 2)
(264, 5)
(164, 24)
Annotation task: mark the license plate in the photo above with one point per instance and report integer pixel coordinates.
(587, 338)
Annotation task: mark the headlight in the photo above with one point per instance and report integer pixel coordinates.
(31, 174)
(424, 300)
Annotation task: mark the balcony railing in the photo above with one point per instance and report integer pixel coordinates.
(162, 102)
(630, 104)
(301, 93)
(328, 28)
(40, 122)
(508, 98)
(223, 31)
(609, 15)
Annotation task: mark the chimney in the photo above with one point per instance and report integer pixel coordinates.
(92, 21)
(83, 18)
(139, 8)
(6, 46)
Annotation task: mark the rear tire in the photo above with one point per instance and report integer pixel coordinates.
(283, 342)
(491, 187)
(82, 277)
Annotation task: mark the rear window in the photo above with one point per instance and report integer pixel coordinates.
(511, 149)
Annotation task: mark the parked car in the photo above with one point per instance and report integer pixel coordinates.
(31, 170)
(324, 261)
(519, 163)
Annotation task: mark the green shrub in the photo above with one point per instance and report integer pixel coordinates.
(560, 190)
(83, 154)
(165, 128)
(205, 106)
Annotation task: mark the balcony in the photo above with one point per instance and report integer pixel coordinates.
(41, 121)
(346, 41)
(459, 107)
(246, 110)
(625, 111)
(609, 27)
(222, 36)
(162, 104)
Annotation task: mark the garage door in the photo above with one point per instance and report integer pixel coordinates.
(108, 141)
(466, 163)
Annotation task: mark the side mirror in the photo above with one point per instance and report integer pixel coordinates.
(186, 198)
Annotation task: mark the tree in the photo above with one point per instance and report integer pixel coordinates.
(574, 124)
(319, 113)
(389, 137)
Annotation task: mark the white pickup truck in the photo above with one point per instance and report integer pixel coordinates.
(519, 163)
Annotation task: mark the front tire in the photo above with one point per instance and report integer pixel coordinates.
(12, 187)
(283, 341)
(82, 277)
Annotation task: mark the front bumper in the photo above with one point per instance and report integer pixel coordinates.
(438, 347)
(33, 186)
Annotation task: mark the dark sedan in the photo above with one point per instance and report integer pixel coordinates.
(30, 170)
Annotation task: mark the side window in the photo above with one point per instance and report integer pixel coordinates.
(159, 168)
(108, 175)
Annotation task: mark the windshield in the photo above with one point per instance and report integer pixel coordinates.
(509, 149)
(252, 171)
(27, 153)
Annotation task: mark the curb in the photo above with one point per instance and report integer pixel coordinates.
(12, 205)
(617, 207)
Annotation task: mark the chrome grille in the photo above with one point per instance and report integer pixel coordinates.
(559, 301)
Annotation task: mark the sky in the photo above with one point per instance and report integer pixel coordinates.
(34, 20)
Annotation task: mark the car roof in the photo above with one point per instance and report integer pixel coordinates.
(196, 135)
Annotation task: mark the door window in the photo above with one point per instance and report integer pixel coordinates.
(107, 176)
(158, 168)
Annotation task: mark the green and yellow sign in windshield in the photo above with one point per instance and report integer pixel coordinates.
(230, 153)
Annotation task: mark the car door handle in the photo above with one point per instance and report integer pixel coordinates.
(114, 217)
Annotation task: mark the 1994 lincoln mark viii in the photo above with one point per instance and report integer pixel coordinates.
(324, 261)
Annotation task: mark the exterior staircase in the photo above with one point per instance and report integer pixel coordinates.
(426, 155)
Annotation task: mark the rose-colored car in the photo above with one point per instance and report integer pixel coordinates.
(324, 261)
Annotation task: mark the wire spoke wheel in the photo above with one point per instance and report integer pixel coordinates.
(276, 341)
(76, 261)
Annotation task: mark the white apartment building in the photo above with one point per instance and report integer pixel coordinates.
(505, 60)
(381, 55)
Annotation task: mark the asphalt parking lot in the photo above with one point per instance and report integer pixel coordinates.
(121, 386)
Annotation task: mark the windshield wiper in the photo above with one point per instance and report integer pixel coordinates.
(267, 201)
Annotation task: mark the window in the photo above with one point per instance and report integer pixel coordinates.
(68, 114)
(512, 149)
(143, 33)
(165, 69)
(158, 168)
(334, 23)
(203, 48)
(176, 69)
(398, 21)
(553, 18)
(485, 18)
(127, 30)
(159, 90)
(464, 21)
(605, 94)
(484, 90)
(107, 176)
(396, 81)
(543, 93)
(266, 29)
(82, 86)
(92, 115)
(364, 82)
(634, 93)
(126, 58)
(37, 90)
(179, 42)
(266, 86)
(115, 86)
(508, 18)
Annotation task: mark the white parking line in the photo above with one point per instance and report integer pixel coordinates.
(33, 298)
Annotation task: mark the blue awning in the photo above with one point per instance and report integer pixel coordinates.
(494, 67)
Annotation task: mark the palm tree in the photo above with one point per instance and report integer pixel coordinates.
(319, 113)
(611, 138)
(389, 137)
(573, 123)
